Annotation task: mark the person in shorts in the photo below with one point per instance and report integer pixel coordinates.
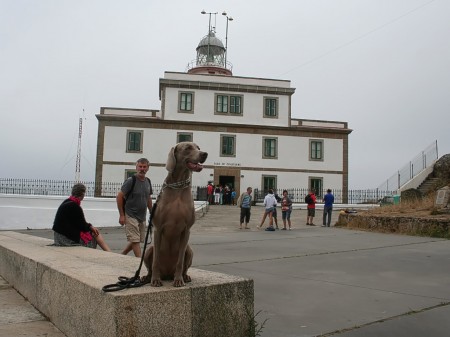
(311, 207)
(269, 205)
(133, 200)
(245, 204)
(286, 209)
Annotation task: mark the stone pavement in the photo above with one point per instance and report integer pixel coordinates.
(315, 281)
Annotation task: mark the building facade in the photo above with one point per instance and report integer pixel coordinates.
(245, 124)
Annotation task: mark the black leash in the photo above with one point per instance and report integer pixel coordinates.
(135, 281)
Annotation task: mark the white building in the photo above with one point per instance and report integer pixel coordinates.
(243, 123)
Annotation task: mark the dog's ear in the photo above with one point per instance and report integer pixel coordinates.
(171, 160)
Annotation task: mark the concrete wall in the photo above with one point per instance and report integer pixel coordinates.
(65, 284)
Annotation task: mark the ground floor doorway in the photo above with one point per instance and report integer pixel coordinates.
(227, 181)
(230, 177)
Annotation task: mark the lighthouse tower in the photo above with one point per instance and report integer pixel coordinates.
(211, 57)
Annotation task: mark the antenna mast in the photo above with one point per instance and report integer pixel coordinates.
(78, 163)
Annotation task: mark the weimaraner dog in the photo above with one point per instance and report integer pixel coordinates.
(170, 256)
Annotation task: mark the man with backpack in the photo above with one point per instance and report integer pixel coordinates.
(310, 200)
(133, 200)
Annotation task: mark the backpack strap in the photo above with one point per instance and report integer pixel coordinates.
(134, 183)
(132, 187)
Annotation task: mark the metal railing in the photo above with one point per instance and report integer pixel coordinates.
(297, 195)
(64, 188)
(419, 163)
(110, 189)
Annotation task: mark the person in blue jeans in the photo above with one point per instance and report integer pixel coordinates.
(328, 200)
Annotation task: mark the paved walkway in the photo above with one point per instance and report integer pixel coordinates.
(315, 281)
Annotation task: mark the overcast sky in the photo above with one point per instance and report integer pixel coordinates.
(383, 66)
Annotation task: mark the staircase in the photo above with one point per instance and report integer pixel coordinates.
(428, 185)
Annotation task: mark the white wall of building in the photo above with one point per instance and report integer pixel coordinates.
(292, 155)
(204, 107)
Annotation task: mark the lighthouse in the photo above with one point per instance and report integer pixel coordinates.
(211, 55)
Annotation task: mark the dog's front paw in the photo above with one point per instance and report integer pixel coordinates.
(187, 278)
(156, 283)
(178, 283)
(145, 279)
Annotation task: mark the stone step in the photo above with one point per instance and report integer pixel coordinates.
(427, 185)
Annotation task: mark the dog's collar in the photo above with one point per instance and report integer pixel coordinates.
(179, 184)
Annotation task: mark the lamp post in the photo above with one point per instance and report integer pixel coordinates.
(208, 57)
(209, 26)
(226, 36)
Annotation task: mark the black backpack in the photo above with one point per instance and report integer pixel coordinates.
(308, 199)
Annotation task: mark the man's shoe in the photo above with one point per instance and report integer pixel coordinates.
(312, 224)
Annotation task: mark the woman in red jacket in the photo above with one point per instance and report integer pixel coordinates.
(70, 227)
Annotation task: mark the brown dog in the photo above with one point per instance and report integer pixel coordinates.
(170, 256)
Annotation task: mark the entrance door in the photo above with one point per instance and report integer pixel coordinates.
(227, 180)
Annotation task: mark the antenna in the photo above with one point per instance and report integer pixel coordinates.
(78, 163)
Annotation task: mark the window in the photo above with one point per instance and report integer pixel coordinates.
(222, 103)
(269, 182)
(270, 148)
(229, 104)
(316, 149)
(317, 185)
(186, 102)
(270, 107)
(227, 146)
(235, 104)
(134, 141)
(129, 173)
(184, 137)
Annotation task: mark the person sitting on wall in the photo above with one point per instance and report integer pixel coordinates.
(70, 227)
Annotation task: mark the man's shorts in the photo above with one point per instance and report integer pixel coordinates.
(311, 212)
(134, 229)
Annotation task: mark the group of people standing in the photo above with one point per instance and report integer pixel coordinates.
(328, 200)
(271, 201)
(221, 195)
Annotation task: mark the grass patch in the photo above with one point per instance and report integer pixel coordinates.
(423, 206)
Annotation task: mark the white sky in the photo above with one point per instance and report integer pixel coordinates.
(383, 66)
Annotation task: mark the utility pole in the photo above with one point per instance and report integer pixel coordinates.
(78, 163)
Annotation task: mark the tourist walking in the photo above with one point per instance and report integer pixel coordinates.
(310, 200)
(286, 209)
(133, 200)
(328, 200)
(245, 203)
